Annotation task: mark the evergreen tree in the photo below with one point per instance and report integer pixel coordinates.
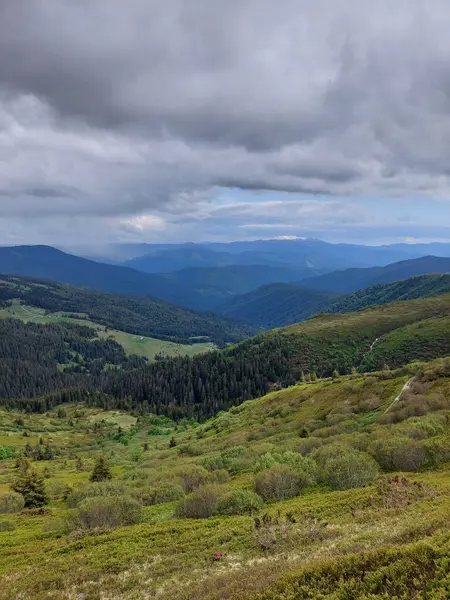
(30, 484)
(101, 471)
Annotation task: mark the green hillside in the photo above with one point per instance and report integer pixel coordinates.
(276, 305)
(201, 386)
(148, 347)
(383, 293)
(333, 489)
(140, 316)
(205, 384)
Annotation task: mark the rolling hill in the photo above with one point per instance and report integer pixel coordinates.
(136, 315)
(350, 280)
(276, 305)
(413, 288)
(392, 334)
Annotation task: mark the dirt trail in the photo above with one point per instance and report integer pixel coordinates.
(404, 388)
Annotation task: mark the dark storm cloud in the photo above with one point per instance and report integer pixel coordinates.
(119, 108)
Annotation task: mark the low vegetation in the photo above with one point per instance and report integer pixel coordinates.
(302, 489)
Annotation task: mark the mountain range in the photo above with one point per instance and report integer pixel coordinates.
(263, 295)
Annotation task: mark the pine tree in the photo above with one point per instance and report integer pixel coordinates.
(101, 471)
(30, 484)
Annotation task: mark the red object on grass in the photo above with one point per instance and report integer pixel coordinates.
(218, 556)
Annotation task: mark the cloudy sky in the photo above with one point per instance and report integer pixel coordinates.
(224, 119)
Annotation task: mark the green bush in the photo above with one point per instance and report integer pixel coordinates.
(280, 482)
(213, 463)
(92, 490)
(202, 504)
(399, 454)
(294, 460)
(12, 502)
(7, 526)
(6, 452)
(219, 476)
(239, 502)
(350, 469)
(191, 478)
(162, 494)
(106, 512)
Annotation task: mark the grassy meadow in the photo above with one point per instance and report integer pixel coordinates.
(336, 532)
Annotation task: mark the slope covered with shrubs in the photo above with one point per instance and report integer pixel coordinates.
(351, 470)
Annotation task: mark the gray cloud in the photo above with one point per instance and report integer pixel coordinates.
(112, 109)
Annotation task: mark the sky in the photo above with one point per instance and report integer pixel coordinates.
(150, 121)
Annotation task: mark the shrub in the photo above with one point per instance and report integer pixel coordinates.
(192, 478)
(106, 512)
(219, 476)
(6, 452)
(437, 451)
(294, 460)
(92, 490)
(239, 502)
(213, 463)
(280, 482)
(308, 445)
(7, 526)
(399, 454)
(12, 502)
(328, 452)
(161, 494)
(237, 459)
(350, 469)
(201, 504)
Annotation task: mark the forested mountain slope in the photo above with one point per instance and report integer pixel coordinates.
(406, 289)
(390, 335)
(400, 333)
(350, 280)
(276, 305)
(137, 315)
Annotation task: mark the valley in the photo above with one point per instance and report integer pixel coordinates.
(295, 446)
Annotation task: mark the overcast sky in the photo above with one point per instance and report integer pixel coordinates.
(143, 120)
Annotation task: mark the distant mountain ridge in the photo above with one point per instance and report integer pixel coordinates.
(201, 289)
(289, 252)
(351, 280)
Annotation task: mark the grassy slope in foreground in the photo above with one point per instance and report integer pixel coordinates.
(343, 544)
